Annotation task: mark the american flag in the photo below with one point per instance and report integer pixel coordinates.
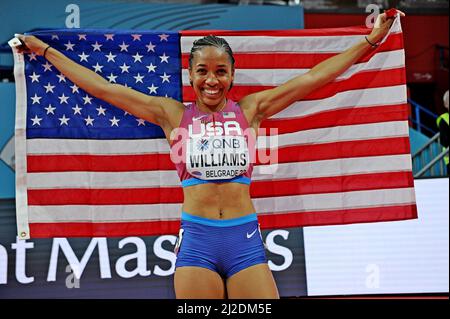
(86, 168)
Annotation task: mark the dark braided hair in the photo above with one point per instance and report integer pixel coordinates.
(211, 40)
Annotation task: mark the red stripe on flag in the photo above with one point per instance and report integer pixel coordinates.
(98, 163)
(47, 230)
(287, 154)
(305, 186)
(258, 189)
(285, 220)
(366, 79)
(354, 30)
(335, 150)
(347, 116)
(118, 196)
(294, 60)
(362, 80)
(342, 216)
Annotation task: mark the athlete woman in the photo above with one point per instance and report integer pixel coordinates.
(220, 253)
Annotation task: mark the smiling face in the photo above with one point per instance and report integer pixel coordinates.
(211, 75)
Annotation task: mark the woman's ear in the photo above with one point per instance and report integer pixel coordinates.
(232, 79)
(190, 77)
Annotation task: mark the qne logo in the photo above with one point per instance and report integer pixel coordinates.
(222, 143)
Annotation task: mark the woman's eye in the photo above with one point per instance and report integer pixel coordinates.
(221, 71)
(201, 71)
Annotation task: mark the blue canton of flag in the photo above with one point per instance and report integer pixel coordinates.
(148, 62)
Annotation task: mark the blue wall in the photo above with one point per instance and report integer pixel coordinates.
(7, 119)
(20, 16)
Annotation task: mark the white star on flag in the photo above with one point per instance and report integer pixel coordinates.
(136, 37)
(50, 109)
(123, 46)
(36, 120)
(101, 110)
(137, 57)
(63, 99)
(82, 37)
(163, 37)
(89, 121)
(34, 77)
(164, 58)
(55, 37)
(83, 57)
(152, 89)
(98, 67)
(111, 57)
(138, 78)
(32, 56)
(69, 46)
(74, 88)
(150, 47)
(109, 36)
(112, 78)
(61, 78)
(64, 120)
(87, 100)
(36, 99)
(141, 122)
(124, 68)
(165, 78)
(47, 66)
(49, 88)
(97, 46)
(151, 68)
(114, 121)
(76, 110)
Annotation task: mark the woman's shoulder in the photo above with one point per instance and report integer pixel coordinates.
(174, 110)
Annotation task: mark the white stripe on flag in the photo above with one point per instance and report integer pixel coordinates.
(317, 202)
(298, 43)
(160, 146)
(274, 77)
(335, 201)
(392, 95)
(104, 213)
(98, 147)
(336, 134)
(335, 167)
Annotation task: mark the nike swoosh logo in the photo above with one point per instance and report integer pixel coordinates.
(251, 234)
(198, 118)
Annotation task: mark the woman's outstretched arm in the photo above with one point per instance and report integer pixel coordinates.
(261, 105)
(154, 109)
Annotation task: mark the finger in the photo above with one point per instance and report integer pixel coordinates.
(380, 20)
(19, 36)
(23, 50)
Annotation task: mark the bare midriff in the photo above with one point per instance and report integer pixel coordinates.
(218, 200)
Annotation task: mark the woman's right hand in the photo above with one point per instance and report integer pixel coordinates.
(32, 43)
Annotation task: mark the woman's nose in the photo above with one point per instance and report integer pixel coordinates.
(211, 79)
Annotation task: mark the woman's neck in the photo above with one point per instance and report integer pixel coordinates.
(211, 109)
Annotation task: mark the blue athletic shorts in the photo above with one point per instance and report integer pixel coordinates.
(224, 246)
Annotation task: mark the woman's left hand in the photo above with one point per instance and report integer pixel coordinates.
(381, 27)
